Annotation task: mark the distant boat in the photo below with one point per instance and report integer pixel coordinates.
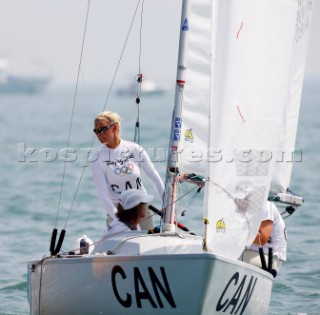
(21, 83)
(148, 87)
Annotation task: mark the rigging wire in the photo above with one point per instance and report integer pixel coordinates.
(140, 41)
(139, 80)
(73, 108)
(137, 124)
(121, 55)
(192, 199)
(104, 107)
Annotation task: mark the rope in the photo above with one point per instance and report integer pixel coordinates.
(73, 108)
(140, 42)
(137, 125)
(139, 80)
(121, 55)
(286, 211)
(192, 199)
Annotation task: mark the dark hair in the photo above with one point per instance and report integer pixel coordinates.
(129, 214)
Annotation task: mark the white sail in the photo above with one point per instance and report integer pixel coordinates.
(196, 97)
(235, 96)
(286, 154)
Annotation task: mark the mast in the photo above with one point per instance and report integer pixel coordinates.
(172, 167)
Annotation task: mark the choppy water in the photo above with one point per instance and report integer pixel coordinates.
(30, 186)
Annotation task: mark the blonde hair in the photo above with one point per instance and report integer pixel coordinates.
(113, 118)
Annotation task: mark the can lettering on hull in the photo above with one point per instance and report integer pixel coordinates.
(236, 303)
(156, 290)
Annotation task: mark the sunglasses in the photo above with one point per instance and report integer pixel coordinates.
(103, 129)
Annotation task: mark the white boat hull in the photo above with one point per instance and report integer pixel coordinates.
(182, 283)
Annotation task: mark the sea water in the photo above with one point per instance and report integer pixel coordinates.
(34, 133)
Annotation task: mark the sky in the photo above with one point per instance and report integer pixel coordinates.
(45, 36)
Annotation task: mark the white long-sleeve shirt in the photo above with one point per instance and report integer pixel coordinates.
(116, 226)
(278, 233)
(119, 169)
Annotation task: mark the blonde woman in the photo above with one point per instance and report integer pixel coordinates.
(117, 167)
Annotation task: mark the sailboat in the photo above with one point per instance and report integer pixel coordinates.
(11, 83)
(239, 81)
(148, 87)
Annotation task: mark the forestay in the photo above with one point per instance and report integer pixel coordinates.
(239, 70)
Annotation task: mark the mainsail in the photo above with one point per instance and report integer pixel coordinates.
(240, 60)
